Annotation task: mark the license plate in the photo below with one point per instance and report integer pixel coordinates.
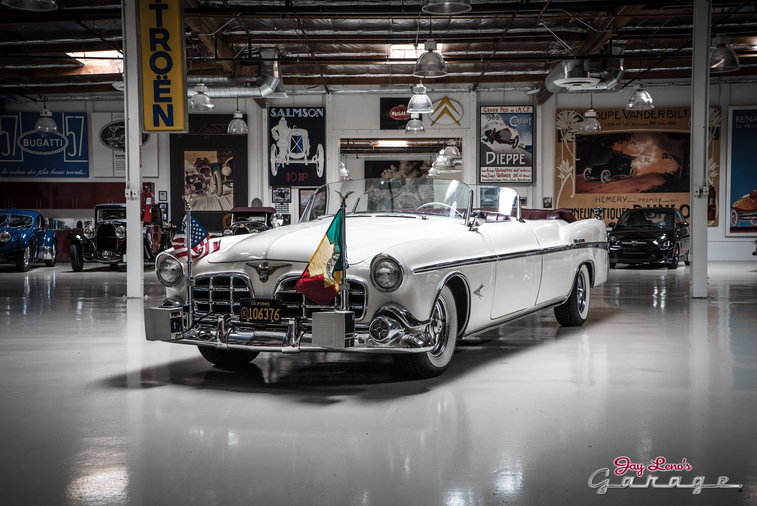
(260, 311)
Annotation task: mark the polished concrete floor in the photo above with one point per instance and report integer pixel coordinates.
(531, 414)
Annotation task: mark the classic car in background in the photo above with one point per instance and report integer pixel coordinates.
(105, 240)
(745, 209)
(650, 236)
(424, 269)
(618, 164)
(25, 239)
(250, 220)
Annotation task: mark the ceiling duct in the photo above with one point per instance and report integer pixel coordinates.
(575, 76)
(223, 87)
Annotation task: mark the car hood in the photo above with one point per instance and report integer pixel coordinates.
(366, 236)
(640, 233)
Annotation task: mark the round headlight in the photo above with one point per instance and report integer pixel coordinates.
(5, 236)
(386, 273)
(277, 220)
(120, 231)
(89, 231)
(169, 270)
(613, 239)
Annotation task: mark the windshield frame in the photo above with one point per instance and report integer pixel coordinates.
(393, 197)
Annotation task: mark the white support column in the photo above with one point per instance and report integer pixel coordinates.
(134, 253)
(700, 77)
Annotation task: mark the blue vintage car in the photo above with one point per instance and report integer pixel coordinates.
(24, 238)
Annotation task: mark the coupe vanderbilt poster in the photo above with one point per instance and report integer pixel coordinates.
(638, 159)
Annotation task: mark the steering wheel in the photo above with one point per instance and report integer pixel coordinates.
(442, 204)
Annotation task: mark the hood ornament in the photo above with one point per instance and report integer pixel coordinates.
(265, 269)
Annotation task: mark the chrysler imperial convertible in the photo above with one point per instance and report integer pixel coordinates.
(404, 266)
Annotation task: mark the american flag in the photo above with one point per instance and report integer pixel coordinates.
(200, 240)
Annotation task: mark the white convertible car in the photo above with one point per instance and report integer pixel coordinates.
(425, 268)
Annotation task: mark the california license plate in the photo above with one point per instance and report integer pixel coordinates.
(260, 311)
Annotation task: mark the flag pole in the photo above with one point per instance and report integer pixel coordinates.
(344, 291)
(188, 245)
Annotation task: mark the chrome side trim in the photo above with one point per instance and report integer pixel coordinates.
(509, 256)
(520, 314)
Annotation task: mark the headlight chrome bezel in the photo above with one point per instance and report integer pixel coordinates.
(5, 236)
(120, 232)
(383, 265)
(169, 270)
(89, 231)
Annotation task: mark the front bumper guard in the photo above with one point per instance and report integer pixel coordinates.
(392, 331)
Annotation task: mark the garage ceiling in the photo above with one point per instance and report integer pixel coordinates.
(339, 46)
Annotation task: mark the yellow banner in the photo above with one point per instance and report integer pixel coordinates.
(638, 159)
(164, 94)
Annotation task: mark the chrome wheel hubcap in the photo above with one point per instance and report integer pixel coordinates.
(581, 293)
(438, 327)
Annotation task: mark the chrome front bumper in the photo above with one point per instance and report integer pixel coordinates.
(391, 331)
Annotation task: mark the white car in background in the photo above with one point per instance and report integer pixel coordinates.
(425, 269)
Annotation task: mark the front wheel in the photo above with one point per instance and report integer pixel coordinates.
(53, 254)
(24, 258)
(605, 176)
(574, 311)
(227, 357)
(443, 330)
(587, 174)
(75, 254)
(674, 260)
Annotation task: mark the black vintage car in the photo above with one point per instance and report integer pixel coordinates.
(105, 240)
(250, 220)
(618, 164)
(650, 236)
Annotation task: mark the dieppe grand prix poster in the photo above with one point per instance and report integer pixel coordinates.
(638, 159)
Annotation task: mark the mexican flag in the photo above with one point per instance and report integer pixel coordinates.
(320, 281)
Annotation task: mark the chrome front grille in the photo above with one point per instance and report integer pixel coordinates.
(106, 237)
(294, 304)
(220, 293)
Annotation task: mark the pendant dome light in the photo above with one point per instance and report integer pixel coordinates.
(45, 123)
(640, 100)
(445, 7)
(430, 64)
(419, 103)
(414, 124)
(590, 124)
(237, 126)
(31, 5)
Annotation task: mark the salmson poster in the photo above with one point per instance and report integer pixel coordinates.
(638, 159)
(297, 140)
(506, 144)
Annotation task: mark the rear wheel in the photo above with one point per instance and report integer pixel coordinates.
(77, 262)
(587, 174)
(24, 258)
(443, 330)
(227, 357)
(54, 254)
(605, 175)
(575, 310)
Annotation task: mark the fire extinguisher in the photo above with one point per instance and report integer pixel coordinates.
(147, 206)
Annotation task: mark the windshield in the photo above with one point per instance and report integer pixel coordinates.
(110, 213)
(639, 218)
(448, 199)
(16, 221)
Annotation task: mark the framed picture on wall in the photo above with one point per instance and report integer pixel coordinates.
(281, 194)
(162, 196)
(741, 200)
(305, 194)
(506, 144)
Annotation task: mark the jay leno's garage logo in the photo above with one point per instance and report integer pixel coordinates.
(633, 476)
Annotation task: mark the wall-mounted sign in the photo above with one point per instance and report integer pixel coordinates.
(24, 152)
(297, 138)
(164, 93)
(446, 112)
(393, 113)
(109, 145)
(742, 178)
(506, 144)
(639, 159)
